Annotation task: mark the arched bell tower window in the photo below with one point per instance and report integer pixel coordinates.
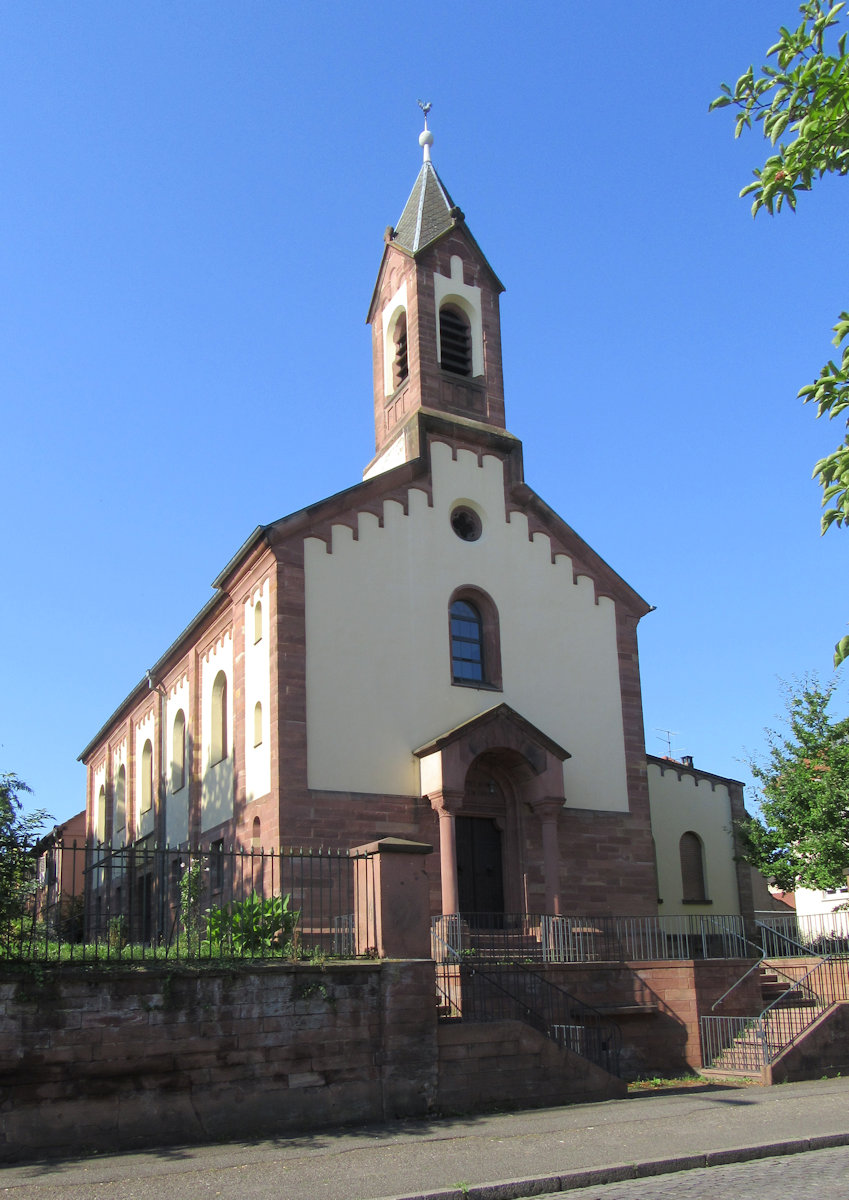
(455, 340)
(475, 639)
(400, 364)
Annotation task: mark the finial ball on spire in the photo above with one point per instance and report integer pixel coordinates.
(425, 138)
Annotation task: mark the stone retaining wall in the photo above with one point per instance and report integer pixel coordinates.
(116, 1059)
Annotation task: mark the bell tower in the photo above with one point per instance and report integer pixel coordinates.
(436, 327)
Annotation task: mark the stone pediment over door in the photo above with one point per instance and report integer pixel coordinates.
(445, 760)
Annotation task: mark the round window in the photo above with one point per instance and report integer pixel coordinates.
(466, 523)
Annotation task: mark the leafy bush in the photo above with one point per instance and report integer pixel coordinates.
(252, 927)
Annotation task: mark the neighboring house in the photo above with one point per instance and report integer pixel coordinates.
(432, 654)
(822, 916)
(60, 877)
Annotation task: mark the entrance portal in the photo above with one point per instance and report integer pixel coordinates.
(480, 875)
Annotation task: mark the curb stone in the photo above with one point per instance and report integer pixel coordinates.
(542, 1185)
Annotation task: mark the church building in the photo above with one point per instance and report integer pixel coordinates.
(433, 654)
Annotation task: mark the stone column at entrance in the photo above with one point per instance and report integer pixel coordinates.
(446, 804)
(548, 811)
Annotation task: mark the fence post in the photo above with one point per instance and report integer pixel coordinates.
(392, 898)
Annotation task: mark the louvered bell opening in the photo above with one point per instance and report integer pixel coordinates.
(455, 340)
(400, 368)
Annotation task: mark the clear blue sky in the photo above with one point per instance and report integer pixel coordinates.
(192, 209)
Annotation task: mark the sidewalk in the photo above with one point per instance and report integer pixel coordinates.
(525, 1154)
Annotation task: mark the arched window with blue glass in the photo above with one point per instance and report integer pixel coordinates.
(474, 637)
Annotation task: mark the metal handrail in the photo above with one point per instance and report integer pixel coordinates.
(607, 1030)
(762, 957)
(807, 951)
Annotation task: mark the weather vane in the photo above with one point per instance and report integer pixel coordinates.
(425, 106)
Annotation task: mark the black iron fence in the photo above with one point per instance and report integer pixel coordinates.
(144, 902)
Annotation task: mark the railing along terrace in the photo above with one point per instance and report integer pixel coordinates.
(482, 991)
(788, 935)
(542, 938)
(143, 902)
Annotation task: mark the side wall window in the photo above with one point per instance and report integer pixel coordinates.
(101, 814)
(475, 639)
(147, 777)
(178, 753)
(257, 724)
(119, 810)
(218, 732)
(692, 868)
(257, 622)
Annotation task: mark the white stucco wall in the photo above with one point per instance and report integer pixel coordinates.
(217, 788)
(177, 803)
(145, 730)
(814, 902)
(378, 656)
(680, 804)
(258, 690)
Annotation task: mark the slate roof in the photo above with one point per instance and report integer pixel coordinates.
(428, 213)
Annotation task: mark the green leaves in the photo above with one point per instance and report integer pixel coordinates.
(251, 928)
(803, 834)
(805, 97)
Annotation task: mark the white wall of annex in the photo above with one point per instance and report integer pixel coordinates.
(378, 657)
(684, 803)
(217, 787)
(177, 803)
(258, 691)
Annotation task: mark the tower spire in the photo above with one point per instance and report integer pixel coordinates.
(425, 137)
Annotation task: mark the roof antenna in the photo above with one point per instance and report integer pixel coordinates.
(425, 137)
(670, 734)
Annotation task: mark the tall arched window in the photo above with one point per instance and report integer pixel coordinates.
(467, 662)
(218, 731)
(475, 639)
(178, 753)
(257, 724)
(692, 868)
(256, 834)
(400, 363)
(257, 621)
(455, 340)
(101, 814)
(119, 808)
(147, 777)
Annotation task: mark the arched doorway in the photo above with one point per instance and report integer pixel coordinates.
(488, 812)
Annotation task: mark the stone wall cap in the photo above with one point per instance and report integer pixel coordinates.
(394, 845)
